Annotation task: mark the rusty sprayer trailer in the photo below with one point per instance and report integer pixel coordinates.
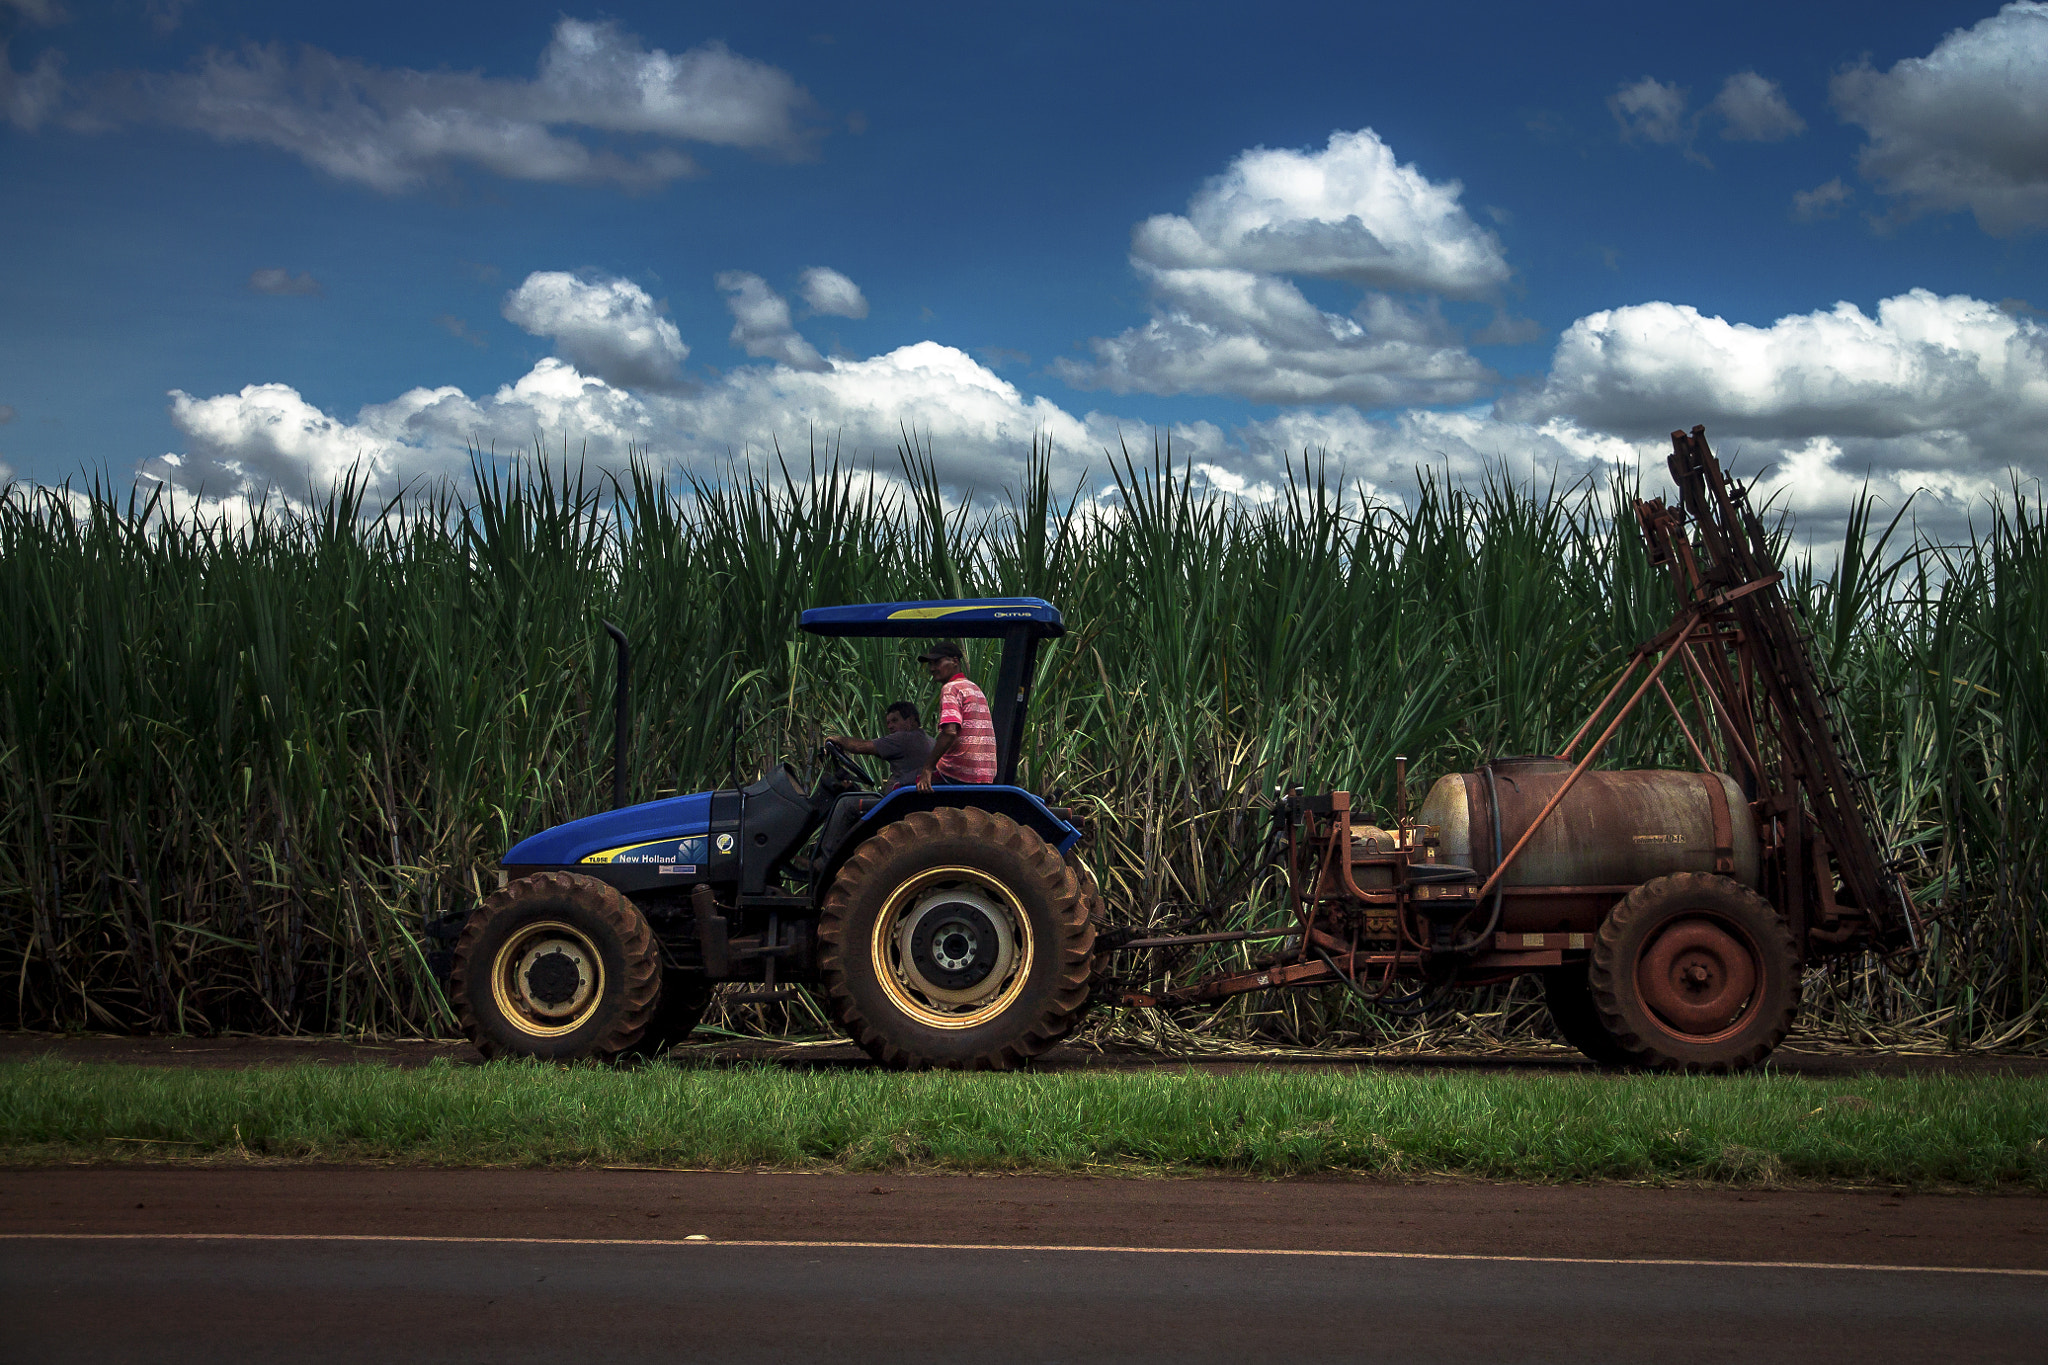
(1670, 913)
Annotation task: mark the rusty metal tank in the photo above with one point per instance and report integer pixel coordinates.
(1613, 829)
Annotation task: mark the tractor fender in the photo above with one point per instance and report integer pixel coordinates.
(1017, 803)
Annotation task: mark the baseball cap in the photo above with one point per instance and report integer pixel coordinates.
(944, 649)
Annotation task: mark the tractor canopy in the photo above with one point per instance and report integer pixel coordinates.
(978, 618)
(1019, 622)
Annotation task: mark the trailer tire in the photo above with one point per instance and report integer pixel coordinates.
(1693, 972)
(1569, 999)
(557, 967)
(956, 938)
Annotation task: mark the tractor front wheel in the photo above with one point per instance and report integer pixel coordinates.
(558, 967)
(685, 996)
(956, 938)
(1693, 972)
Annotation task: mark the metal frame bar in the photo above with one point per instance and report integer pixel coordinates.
(1682, 632)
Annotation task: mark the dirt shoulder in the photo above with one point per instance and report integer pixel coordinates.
(1859, 1227)
(235, 1052)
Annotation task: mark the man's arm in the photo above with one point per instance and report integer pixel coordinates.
(947, 734)
(852, 745)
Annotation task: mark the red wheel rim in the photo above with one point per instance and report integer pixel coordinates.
(1698, 978)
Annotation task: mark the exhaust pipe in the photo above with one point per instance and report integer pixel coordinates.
(622, 707)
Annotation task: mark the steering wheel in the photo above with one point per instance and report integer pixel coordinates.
(843, 764)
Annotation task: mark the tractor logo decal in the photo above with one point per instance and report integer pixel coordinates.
(927, 613)
(725, 843)
(687, 848)
(934, 613)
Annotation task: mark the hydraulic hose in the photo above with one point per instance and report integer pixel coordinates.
(1409, 1005)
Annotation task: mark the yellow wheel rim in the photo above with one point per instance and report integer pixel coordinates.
(547, 979)
(966, 904)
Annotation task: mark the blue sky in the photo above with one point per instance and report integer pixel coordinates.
(247, 246)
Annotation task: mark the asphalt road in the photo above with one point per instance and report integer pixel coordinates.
(306, 1265)
(209, 1301)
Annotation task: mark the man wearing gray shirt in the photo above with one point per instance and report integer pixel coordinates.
(904, 744)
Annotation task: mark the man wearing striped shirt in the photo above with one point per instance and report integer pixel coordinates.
(965, 749)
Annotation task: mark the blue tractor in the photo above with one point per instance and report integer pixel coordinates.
(954, 927)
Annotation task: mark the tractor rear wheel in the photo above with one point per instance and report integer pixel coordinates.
(558, 967)
(1096, 915)
(1693, 972)
(956, 938)
(1570, 1001)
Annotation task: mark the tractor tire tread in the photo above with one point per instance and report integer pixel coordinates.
(1089, 895)
(1608, 976)
(1062, 1006)
(681, 1006)
(1568, 999)
(642, 985)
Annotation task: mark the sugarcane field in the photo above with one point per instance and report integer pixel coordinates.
(279, 837)
(780, 682)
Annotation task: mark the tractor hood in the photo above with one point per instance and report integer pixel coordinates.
(674, 831)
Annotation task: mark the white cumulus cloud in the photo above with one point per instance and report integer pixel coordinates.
(29, 98)
(594, 75)
(1822, 201)
(1924, 364)
(1755, 110)
(42, 12)
(828, 293)
(267, 436)
(1965, 127)
(977, 425)
(395, 129)
(1256, 336)
(1349, 212)
(278, 280)
(1936, 398)
(1650, 109)
(1750, 108)
(761, 322)
(608, 328)
(1381, 457)
(1226, 319)
(1942, 394)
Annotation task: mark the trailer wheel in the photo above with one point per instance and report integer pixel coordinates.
(1695, 972)
(1569, 999)
(956, 938)
(557, 967)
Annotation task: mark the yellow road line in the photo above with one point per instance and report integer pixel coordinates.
(1009, 1246)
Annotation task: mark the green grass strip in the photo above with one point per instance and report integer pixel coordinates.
(1975, 1132)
